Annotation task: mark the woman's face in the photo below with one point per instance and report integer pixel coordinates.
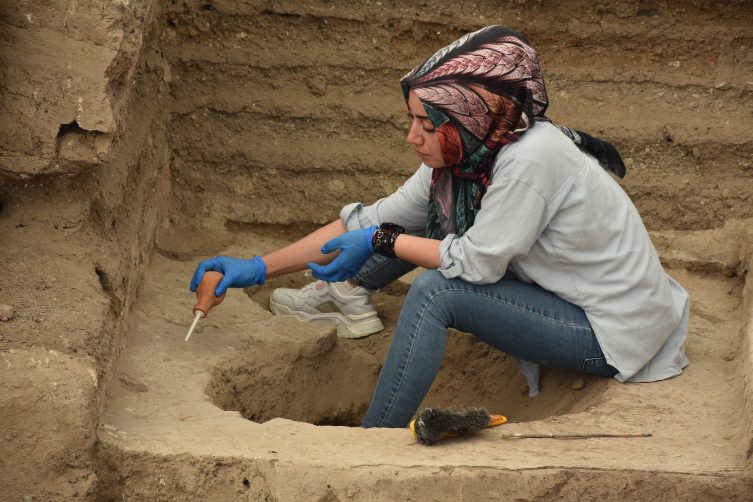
(422, 135)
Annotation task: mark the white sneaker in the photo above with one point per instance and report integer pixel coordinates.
(322, 303)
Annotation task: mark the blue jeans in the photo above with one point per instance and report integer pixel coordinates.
(523, 320)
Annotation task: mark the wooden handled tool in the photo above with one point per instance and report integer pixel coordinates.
(205, 298)
(433, 424)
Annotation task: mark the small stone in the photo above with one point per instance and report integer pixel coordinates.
(579, 384)
(6, 312)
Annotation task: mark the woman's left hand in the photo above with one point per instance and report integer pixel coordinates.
(355, 248)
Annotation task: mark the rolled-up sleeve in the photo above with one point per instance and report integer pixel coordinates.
(513, 215)
(407, 207)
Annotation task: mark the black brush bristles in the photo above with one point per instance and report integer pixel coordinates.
(433, 423)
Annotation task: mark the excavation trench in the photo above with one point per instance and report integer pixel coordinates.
(142, 137)
(233, 128)
(330, 380)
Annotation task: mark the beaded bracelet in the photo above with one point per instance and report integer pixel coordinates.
(384, 239)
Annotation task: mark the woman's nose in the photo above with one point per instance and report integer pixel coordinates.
(414, 138)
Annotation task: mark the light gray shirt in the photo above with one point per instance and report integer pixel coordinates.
(555, 218)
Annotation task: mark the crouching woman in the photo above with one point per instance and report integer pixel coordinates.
(528, 241)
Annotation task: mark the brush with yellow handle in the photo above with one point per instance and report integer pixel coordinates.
(433, 424)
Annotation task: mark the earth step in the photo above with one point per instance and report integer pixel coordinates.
(617, 111)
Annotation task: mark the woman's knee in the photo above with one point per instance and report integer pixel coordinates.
(422, 290)
(429, 280)
(429, 294)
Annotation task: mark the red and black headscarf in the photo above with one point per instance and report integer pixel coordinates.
(482, 92)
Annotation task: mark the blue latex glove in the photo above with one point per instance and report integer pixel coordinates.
(238, 273)
(355, 248)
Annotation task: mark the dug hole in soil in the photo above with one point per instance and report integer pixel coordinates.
(142, 137)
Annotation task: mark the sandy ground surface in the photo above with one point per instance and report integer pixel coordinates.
(162, 403)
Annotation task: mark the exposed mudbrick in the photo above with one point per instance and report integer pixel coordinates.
(138, 137)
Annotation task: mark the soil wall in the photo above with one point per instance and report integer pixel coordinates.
(84, 184)
(300, 102)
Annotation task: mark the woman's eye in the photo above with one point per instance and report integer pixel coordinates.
(426, 129)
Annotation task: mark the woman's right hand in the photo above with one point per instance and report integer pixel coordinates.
(237, 273)
(355, 248)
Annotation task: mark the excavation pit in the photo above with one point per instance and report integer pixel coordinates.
(329, 381)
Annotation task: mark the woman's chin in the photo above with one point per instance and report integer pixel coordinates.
(433, 164)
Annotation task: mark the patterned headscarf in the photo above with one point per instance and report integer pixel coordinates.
(482, 92)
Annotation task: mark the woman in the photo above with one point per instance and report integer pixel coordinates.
(529, 243)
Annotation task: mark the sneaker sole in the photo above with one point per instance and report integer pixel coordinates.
(352, 326)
